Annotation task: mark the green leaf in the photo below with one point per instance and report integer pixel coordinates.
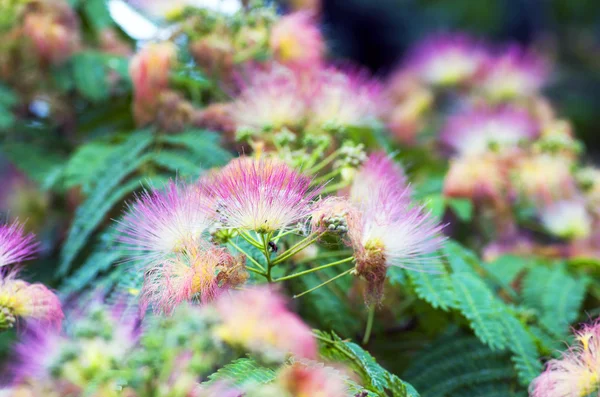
(374, 377)
(97, 14)
(243, 372)
(436, 203)
(477, 303)
(39, 164)
(521, 343)
(434, 287)
(86, 163)
(88, 216)
(460, 259)
(204, 147)
(506, 268)
(463, 208)
(89, 74)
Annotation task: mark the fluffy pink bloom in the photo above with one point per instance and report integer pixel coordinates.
(149, 70)
(36, 352)
(482, 129)
(342, 99)
(258, 320)
(514, 73)
(447, 59)
(20, 299)
(53, 30)
(379, 172)
(200, 273)
(271, 99)
(544, 178)
(568, 219)
(297, 41)
(391, 231)
(16, 245)
(165, 222)
(479, 178)
(309, 378)
(577, 373)
(262, 195)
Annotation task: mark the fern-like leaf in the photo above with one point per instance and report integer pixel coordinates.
(243, 372)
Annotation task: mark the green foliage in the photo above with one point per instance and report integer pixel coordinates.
(374, 377)
(454, 363)
(243, 372)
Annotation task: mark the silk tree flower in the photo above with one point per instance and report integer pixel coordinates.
(149, 70)
(576, 373)
(263, 195)
(161, 223)
(31, 302)
(447, 59)
(480, 130)
(342, 99)
(568, 219)
(199, 274)
(16, 245)
(376, 175)
(311, 378)
(271, 99)
(543, 178)
(53, 29)
(390, 231)
(258, 320)
(481, 178)
(296, 40)
(516, 72)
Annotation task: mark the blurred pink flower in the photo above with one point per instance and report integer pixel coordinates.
(161, 223)
(543, 178)
(480, 130)
(257, 319)
(149, 70)
(296, 40)
(568, 219)
(271, 99)
(200, 273)
(515, 72)
(577, 373)
(16, 245)
(261, 194)
(341, 99)
(310, 378)
(377, 174)
(20, 299)
(447, 59)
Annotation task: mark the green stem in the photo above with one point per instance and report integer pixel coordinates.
(326, 177)
(247, 255)
(323, 163)
(334, 188)
(369, 325)
(280, 235)
(249, 239)
(323, 256)
(324, 283)
(265, 249)
(296, 248)
(302, 273)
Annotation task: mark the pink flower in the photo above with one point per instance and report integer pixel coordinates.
(262, 195)
(19, 299)
(200, 273)
(514, 73)
(149, 70)
(379, 172)
(297, 41)
(15, 245)
(162, 223)
(391, 231)
(577, 372)
(480, 130)
(568, 219)
(272, 99)
(53, 31)
(479, 178)
(543, 178)
(309, 378)
(342, 99)
(447, 59)
(258, 320)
